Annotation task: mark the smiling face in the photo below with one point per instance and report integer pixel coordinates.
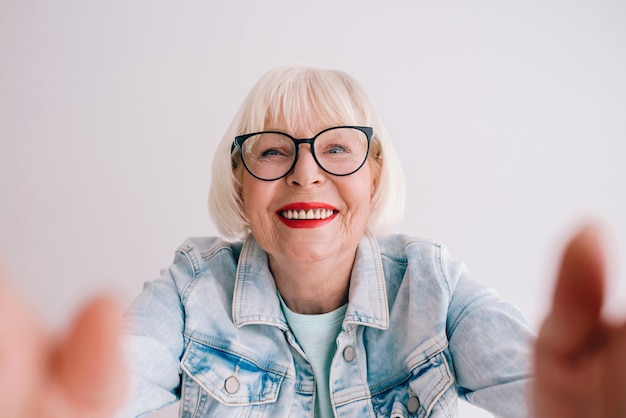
(308, 215)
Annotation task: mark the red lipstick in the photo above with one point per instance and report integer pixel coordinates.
(306, 214)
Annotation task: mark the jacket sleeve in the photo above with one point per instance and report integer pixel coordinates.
(153, 341)
(490, 344)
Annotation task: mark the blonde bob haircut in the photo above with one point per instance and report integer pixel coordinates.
(294, 96)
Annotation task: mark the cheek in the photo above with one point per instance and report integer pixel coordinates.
(250, 189)
(256, 196)
(358, 196)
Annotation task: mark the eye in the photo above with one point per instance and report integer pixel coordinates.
(273, 156)
(271, 152)
(337, 149)
(270, 147)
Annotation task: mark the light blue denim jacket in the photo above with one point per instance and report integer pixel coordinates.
(418, 334)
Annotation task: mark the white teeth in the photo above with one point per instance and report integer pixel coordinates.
(308, 214)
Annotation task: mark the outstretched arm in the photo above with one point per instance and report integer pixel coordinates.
(580, 358)
(79, 374)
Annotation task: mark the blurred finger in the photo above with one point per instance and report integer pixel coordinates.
(21, 354)
(578, 295)
(88, 364)
(614, 404)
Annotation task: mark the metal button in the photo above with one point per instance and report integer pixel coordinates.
(349, 353)
(413, 404)
(231, 385)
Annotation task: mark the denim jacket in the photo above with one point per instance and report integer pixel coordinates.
(419, 333)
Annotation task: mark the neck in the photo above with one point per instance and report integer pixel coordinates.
(313, 287)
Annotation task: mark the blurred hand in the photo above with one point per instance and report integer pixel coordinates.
(78, 374)
(580, 358)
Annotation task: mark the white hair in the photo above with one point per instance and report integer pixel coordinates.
(294, 95)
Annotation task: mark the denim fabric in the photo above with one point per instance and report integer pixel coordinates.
(419, 333)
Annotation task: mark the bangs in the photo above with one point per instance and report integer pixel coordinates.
(304, 98)
(296, 98)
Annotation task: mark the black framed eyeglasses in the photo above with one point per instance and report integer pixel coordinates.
(271, 155)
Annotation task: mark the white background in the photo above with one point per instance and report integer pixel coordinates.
(509, 118)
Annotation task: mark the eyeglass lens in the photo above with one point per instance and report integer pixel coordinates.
(339, 151)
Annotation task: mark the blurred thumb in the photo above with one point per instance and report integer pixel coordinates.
(578, 295)
(88, 363)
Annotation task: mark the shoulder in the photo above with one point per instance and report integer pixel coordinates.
(208, 247)
(421, 258)
(406, 248)
(198, 252)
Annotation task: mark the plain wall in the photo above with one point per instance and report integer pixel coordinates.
(508, 118)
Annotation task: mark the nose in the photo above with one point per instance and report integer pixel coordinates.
(306, 172)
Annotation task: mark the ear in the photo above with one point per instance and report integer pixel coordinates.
(240, 199)
(376, 164)
(238, 186)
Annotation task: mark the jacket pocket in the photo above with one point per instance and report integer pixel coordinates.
(429, 382)
(231, 378)
(427, 391)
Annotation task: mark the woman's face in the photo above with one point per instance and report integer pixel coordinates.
(341, 204)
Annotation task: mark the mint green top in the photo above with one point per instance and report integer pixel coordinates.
(317, 336)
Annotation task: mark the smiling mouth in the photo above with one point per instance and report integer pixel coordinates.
(308, 214)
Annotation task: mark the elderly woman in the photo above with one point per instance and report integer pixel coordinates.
(314, 312)
(311, 310)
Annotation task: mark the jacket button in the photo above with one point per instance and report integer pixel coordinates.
(231, 385)
(413, 404)
(349, 353)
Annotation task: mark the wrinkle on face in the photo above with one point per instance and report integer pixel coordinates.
(352, 195)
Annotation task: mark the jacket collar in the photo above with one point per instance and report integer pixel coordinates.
(255, 298)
